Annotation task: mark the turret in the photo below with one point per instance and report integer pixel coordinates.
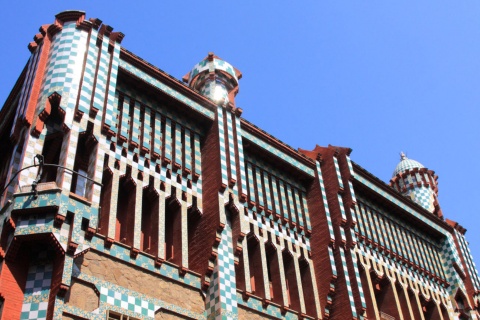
(215, 79)
(413, 180)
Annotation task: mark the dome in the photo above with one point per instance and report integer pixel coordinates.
(214, 78)
(406, 164)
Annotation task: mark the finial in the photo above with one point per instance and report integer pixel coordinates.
(402, 156)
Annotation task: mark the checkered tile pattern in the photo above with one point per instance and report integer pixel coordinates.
(398, 203)
(159, 85)
(110, 111)
(342, 234)
(34, 311)
(62, 235)
(231, 150)
(298, 209)
(347, 280)
(178, 145)
(125, 112)
(342, 208)
(223, 153)
(188, 151)
(135, 134)
(197, 153)
(325, 202)
(89, 74)
(221, 297)
(337, 170)
(168, 140)
(305, 212)
(67, 158)
(128, 302)
(291, 204)
(450, 255)
(34, 146)
(157, 146)
(38, 279)
(37, 289)
(208, 66)
(213, 296)
(165, 110)
(241, 156)
(424, 197)
(147, 130)
(251, 183)
(278, 153)
(101, 78)
(352, 192)
(278, 230)
(38, 222)
(266, 185)
(406, 164)
(259, 188)
(182, 149)
(427, 286)
(332, 261)
(358, 279)
(472, 270)
(394, 234)
(215, 91)
(61, 75)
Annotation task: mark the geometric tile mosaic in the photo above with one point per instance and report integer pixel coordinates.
(37, 288)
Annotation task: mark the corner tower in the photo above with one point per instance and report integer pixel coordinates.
(215, 79)
(412, 179)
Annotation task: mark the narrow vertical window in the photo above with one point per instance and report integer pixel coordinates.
(173, 230)
(83, 166)
(291, 281)
(273, 268)
(105, 197)
(52, 144)
(149, 236)
(125, 210)
(51, 155)
(307, 284)
(255, 264)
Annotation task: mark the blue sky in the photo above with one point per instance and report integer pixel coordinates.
(376, 76)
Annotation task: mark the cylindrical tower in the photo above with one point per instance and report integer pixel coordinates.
(412, 179)
(215, 79)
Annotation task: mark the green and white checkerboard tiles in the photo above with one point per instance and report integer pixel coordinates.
(221, 297)
(37, 287)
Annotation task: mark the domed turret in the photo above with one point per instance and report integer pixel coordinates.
(406, 164)
(412, 179)
(215, 79)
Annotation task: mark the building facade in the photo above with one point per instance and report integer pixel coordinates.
(127, 194)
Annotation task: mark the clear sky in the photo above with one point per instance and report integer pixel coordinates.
(376, 76)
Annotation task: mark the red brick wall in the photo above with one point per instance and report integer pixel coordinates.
(203, 239)
(12, 284)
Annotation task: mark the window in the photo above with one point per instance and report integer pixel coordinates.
(117, 316)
